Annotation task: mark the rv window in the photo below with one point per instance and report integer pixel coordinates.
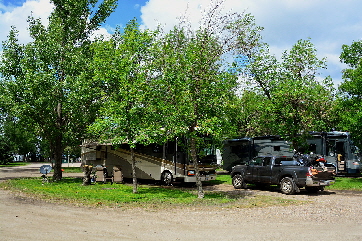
(276, 148)
(171, 147)
(340, 147)
(312, 148)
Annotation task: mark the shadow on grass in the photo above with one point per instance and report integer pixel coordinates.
(70, 180)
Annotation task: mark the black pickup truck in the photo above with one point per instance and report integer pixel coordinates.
(287, 172)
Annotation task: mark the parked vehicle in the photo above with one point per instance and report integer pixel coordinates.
(336, 147)
(168, 163)
(289, 173)
(241, 151)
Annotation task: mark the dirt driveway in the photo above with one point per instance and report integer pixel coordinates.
(329, 216)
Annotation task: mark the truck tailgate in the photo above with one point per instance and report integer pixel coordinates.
(323, 173)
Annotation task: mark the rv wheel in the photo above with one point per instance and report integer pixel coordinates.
(166, 178)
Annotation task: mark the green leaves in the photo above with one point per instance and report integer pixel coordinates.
(48, 79)
(298, 101)
(350, 101)
(123, 69)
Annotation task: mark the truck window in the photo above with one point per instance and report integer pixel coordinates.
(286, 161)
(267, 161)
(258, 161)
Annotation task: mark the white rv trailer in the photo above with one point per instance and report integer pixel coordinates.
(167, 163)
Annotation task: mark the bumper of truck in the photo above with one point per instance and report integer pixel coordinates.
(310, 182)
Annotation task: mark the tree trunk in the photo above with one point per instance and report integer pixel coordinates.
(87, 170)
(134, 176)
(58, 152)
(200, 192)
(58, 145)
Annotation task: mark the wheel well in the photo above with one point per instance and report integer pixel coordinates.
(285, 176)
(165, 171)
(236, 173)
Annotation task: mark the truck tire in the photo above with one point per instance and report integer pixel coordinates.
(238, 182)
(287, 186)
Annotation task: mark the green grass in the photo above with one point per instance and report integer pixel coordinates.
(226, 179)
(347, 183)
(71, 191)
(15, 164)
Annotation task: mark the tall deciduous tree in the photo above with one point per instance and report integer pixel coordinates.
(48, 78)
(199, 83)
(123, 67)
(350, 110)
(300, 101)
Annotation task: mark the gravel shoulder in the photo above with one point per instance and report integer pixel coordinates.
(330, 215)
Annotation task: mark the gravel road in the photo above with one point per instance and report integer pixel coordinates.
(328, 216)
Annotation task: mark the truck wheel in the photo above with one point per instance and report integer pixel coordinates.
(166, 178)
(287, 186)
(238, 182)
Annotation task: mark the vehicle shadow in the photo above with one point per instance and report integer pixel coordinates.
(275, 188)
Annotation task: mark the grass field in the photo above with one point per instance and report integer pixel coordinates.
(15, 164)
(71, 190)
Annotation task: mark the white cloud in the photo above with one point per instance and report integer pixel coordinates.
(17, 16)
(101, 32)
(167, 14)
(329, 23)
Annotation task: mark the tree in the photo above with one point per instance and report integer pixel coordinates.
(251, 116)
(350, 101)
(299, 101)
(17, 138)
(199, 85)
(123, 69)
(48, 78)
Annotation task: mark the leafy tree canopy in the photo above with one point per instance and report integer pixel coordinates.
(350, 102)
(298, 100)
(47, 80)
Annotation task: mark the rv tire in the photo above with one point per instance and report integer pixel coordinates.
(166, 178)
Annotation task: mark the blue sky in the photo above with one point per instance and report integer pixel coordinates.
(329, 23)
